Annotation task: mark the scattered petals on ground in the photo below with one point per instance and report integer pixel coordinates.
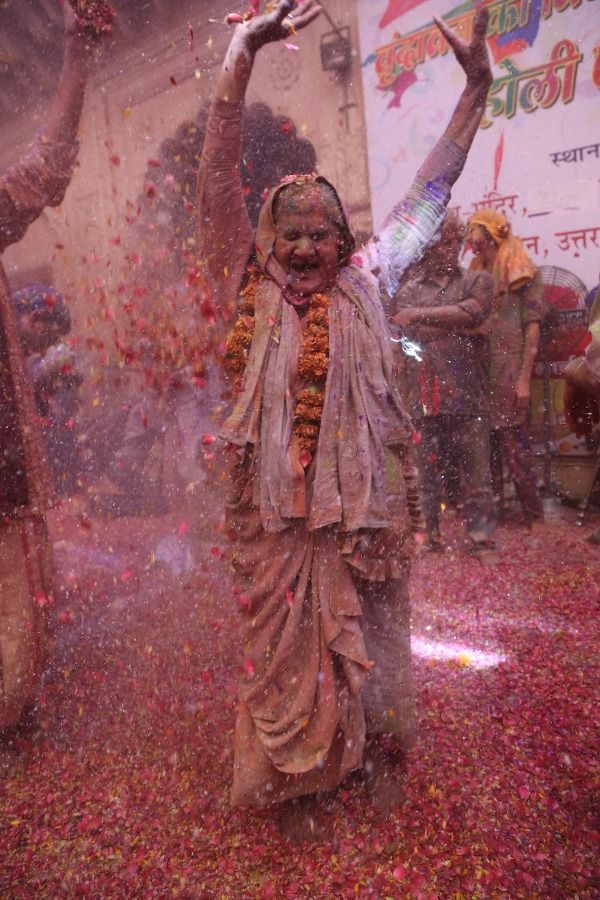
(118, 786)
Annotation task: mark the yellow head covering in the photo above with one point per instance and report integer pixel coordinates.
(512, 267)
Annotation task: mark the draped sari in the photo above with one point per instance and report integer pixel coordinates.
(322, 553)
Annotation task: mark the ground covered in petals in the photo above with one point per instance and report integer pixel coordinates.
(116, 786)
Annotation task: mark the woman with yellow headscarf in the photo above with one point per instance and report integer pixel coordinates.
(514, 333)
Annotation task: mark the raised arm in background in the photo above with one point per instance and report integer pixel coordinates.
(65, 112)
(225, 234)
(41, 178)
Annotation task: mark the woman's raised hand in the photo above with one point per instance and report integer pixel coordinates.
(92, 24)
(280, 21)
(473, 57)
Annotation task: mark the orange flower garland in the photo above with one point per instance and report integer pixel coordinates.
(313, 363)
(313, 360)
(240, 339)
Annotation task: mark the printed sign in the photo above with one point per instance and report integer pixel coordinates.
(536, 157)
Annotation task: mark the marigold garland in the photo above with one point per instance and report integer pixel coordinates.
(313, 360)
(313, 363)
(240, 339)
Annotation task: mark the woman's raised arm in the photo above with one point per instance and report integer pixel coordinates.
(413, 223)
(41, 178)
(225, 235)
(65, 111)
(286, 17)
(474, 61)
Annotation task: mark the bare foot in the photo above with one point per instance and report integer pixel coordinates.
(297, 822)
(383, 777)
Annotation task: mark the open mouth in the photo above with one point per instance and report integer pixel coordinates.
(304, 269)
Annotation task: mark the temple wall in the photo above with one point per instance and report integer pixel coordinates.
(132, 105)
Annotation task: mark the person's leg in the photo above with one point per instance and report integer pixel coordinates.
(429, 474)
(519, 457)
(472, 435)
(24, 548)
(450, 467)
(297, 820)
(496, 465)
(387, 695)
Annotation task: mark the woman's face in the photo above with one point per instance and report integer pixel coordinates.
(307, 240)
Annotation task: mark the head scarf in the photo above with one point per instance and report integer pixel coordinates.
(512, 267)
(266, 230)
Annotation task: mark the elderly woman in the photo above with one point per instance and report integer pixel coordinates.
(320, 532)
(514, 334)
(39, 180)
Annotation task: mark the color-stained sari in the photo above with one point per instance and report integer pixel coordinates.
(321, 553)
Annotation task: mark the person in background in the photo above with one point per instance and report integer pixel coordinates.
(320, 547)
(163, 426)
(582, 388)
(171, 421)
(514, 334)
(38, 180)
(43, 320)
(436, 306)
